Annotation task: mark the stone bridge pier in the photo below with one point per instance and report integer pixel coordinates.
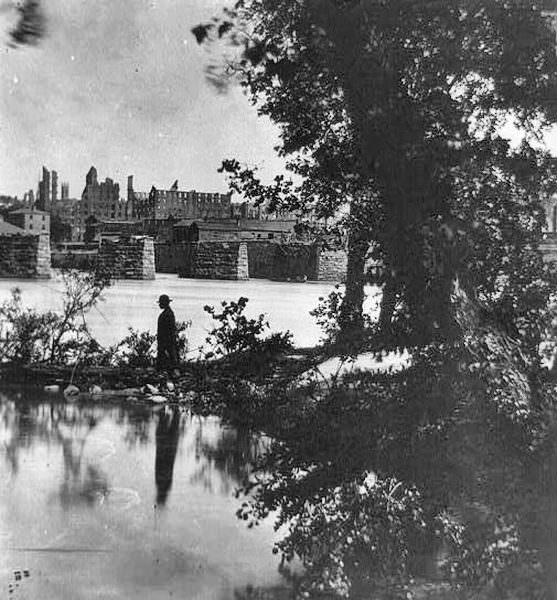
(127, 258)
(24, 255)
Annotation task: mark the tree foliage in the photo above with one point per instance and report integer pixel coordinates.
(384, 479)
(391, 114)
(138, 348)
(235, 333)
(54, 337)
(395, 108)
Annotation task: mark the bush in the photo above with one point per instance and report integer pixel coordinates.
(25, 335)
(139, 348)
(327, 314)
(61, 337)
(235, 333)
(55, 337)
(328, 317)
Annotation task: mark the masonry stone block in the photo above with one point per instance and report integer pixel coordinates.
(214, 260)
(127, 258)
(252, 259)
(25, 255)
(331, 265)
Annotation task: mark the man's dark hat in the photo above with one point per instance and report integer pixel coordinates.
(164, 299)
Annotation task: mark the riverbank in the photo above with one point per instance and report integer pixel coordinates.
(202, 385)
(58, 348)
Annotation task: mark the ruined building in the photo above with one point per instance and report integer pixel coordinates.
(47, 196)
(135, 199)
(178, 204)
(64, 207)
(29, 199)
(54, 189)
(100, 200)
(43, 197)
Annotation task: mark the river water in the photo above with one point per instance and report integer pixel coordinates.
(128, 501)
(125, 501)
(134, 304)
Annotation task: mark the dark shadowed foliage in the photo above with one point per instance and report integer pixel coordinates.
(393, 110)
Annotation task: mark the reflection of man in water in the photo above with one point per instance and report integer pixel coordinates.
(168, 429)
(167, 355)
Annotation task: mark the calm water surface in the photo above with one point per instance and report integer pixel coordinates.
(133, 304)
(125, 501)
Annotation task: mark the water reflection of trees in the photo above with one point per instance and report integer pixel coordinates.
(135, 418)
(222, 456)
(28, 416)
(20, 428)
(27, 419)
(79, 485)
(225, 460)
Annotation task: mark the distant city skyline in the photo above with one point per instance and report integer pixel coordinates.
(121, 86)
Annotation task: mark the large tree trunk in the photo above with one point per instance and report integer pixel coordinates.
(351, 311)
(387, 307)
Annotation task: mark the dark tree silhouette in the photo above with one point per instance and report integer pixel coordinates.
(395, 109)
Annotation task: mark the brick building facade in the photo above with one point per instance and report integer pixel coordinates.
(31, 221)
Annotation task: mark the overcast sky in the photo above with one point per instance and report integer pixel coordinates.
(119, 84)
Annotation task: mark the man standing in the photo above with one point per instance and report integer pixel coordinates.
(166, 336)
